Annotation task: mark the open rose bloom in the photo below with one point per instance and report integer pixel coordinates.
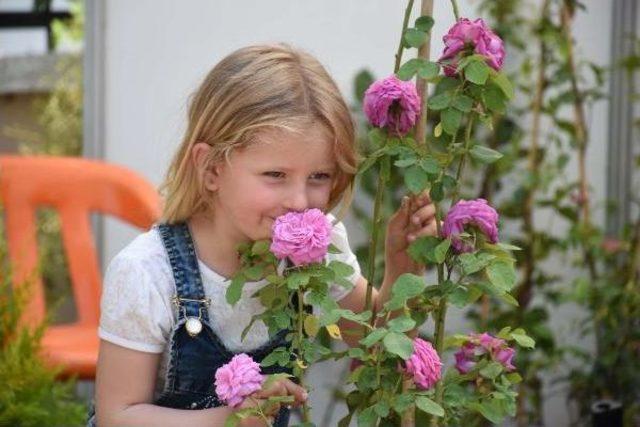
(484, 345)
(303, 237)
(392, 104)
(467, 213)
(238, 379)
(424, 365)
(467, 37)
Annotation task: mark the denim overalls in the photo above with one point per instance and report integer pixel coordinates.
(193, 361)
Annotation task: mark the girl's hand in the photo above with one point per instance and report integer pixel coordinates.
(415, 218)
(279, 387)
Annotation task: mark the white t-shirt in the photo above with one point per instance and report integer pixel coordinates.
(136, 308)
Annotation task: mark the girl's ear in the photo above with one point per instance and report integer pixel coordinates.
(207, 172)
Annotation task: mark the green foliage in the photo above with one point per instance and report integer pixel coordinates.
(31, 395)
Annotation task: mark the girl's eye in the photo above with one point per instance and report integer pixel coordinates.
(321, 176)
(274, 174)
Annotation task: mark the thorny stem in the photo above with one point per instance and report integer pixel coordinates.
(421, 84)
(426, 9)
(456, 12)
(441, 312)
(300, 337)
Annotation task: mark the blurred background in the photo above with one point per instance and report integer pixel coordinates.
(110, 80)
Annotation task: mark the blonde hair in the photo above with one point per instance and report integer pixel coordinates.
(251, 90)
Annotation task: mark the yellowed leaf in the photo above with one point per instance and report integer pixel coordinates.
(334, 331)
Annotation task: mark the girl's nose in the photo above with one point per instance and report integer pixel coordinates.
(297, 200)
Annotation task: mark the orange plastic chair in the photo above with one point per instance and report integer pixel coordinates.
(75, 188)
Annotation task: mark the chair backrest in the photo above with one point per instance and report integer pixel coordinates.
(75, 188)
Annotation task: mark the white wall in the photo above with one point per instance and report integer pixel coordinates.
(157, 51)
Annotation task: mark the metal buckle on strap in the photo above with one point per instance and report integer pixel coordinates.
(193, 325)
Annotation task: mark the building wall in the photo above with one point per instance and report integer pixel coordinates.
(157, 53)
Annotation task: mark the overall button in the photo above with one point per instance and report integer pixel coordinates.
(193, 326)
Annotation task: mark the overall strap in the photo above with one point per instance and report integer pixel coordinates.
(190, 297)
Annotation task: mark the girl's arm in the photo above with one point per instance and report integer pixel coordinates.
(125, 382)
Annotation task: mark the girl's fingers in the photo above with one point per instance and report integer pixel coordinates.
(423, 214)
(299, 393)
(284, 387)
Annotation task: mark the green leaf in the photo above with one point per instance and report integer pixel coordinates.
(494, 99)
(489, 409)
(463, 103)
(282, 320)
(440, 101)
(470, 264)
(399, 344)
(234, 291)
(401, 324)
(491, 371)
(514, 378)
(484, 154)
(508, 247)
(459, 297)
(424, 23)
(373, 337)
(440, 252)
(297, 279)
(502, 275)
(520, 336)
(477, 72)
(403, 163)
(382, 409)
(260, 247)
(368, 417)
(509, 299)
(408, 286)
(378, 138)
(504, 84)
(409, 69)
(451, 119)
(370, 161)
(416, 179)
(428, 70)
(429, 406)
(414, 37)
(430, 165)
(356, 353)
(402, 402)
(341, 268)
(437, 192)
(254, 272)
(362, 81)
(280, 356)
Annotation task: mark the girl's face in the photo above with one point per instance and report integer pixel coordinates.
(280, 172)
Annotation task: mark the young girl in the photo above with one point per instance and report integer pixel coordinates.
(268, 133)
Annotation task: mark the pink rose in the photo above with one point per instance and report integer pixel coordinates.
(392, 104)
(465, 358)
(303, 237)
(504, 356)
(480, 345)
(611, 245)
(424, 364)
(471, 36)
(238, 379)
(472, 212)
